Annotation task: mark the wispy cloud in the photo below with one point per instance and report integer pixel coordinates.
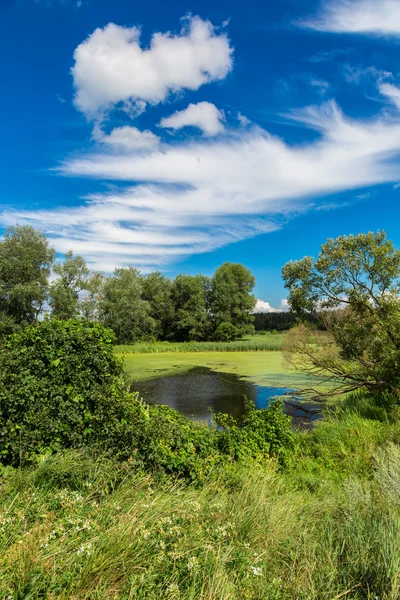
(172, 198)
(49, 3)
(188, 198)
(378, 17)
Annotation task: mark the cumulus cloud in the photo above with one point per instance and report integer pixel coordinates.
(378, 17)
(112, 68)
(203, 115)
(186, 198)
(265, 307)
(127, 138)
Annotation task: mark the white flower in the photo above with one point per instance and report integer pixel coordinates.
(173, 588)
(257, 571)
(85, 549)
(192, 563)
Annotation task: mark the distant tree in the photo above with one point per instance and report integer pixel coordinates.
(157, 291)
(122, 308)
(232, 300)
(90, 302)
(354, 288)
(64, 291)
(190, 299)
(25, 265)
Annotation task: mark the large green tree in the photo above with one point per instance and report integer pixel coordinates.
(122, 307)
(353, 287)
(157, 291)
(25, 264)
(64, 291)
(232, 301)
(190, 298)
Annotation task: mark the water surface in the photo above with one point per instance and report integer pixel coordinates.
(200, 392)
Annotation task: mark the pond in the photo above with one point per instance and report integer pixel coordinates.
(201, 391)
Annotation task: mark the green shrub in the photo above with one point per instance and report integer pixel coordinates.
(265, 432)
(174, 444)
(61, 386)
(226, 332)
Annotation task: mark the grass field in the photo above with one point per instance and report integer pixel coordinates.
(325, 528)
(267, 342)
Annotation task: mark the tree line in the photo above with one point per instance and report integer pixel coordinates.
(135, 306)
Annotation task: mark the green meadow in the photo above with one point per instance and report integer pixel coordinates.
(259, 342)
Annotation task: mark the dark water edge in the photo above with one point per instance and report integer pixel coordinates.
(200, 392)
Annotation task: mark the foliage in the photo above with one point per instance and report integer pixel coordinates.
(360, 273)
(64, 291)
(260, 342)
(232, 301)
(265, 432)
(122, 307)
(134, 306)
(171, 443)
(326, 526)
(225, 332)
(25, 264)
(281, 321)
(90, 303)
(62, 386)
(191, 319)
(157, 291)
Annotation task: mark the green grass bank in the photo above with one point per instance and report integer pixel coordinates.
(324, 527)
(258, 342)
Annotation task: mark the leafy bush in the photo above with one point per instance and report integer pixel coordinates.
(267, 432)
(226, 332)
(172, 443)
(61, 386)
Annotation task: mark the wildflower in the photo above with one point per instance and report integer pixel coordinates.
(257, 571)
(192, 563)
(85, 549)
(173, 589)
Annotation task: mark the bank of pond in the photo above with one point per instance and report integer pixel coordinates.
(201, 384)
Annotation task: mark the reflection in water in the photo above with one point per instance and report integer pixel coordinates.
(201, 391)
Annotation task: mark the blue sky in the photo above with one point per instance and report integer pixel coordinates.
(179, 135)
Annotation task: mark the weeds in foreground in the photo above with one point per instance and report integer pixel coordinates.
(328, 526)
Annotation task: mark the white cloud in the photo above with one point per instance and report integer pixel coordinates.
(203, 115)
(320, 84)
(378, 17)
(111, 66)
(187, 198)
(391, 92)
(127, 138)
(265, 307)
(356, 75)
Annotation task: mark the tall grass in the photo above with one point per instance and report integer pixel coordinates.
(267, 342)
(327, 527)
